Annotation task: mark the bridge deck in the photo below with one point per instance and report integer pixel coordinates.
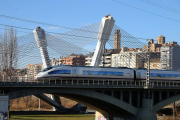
(86, 83)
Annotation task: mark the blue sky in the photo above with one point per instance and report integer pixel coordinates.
(78, 13)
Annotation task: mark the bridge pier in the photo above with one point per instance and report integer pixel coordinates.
(146, 112)
(138, 99)
(160, 95)
(143, 113)
(130, 97)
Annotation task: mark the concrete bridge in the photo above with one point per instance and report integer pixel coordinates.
(112, 98)
(125, 99)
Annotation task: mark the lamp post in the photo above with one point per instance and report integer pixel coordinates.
(39, 104)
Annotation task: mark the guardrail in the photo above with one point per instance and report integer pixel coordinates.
(88, 82)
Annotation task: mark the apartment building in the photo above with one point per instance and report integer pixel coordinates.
(73, 59)
(170, 56)
(155, 47)
(105, 60)
(129, 57)
(155, 63)
(33, 70)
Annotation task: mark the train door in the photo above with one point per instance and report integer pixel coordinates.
(74, 71)
(143, 74)
(138, 74)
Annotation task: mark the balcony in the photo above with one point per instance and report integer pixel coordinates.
(88, 58)
(87, 62)
(107, 56)
(108, 61)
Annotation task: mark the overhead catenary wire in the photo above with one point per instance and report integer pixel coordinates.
(161, 6)
(31, 21)
(96, 38)
(65, 33)
(80, 29)
(48, 24)
(146, 11)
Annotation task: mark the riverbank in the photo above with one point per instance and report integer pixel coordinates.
(53, 117)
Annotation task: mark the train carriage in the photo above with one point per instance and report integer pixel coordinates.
(87, 72)
(119, 73)
(159, 75)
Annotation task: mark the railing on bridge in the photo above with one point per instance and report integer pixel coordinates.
(24, 81)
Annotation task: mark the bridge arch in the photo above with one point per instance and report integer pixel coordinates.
(102, 101)
(165, 102)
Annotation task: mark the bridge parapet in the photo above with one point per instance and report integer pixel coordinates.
(101, 83)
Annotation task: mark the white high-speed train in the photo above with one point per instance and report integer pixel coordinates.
(119, 73)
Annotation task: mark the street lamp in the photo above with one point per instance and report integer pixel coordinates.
(39, 104)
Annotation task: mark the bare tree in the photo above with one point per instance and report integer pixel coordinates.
(10, 103)
(8, 53)
(175, 105)
(17, 100)
(27, 99)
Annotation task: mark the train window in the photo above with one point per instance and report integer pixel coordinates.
(90, 73)
(166, 75)
(154, 75)
(139, 74)
(151, 75)
(74, 71)
(50, 73)
(95, 72)
(103, 73)
(109, 73)
(171, 75)
(115, 73)
(67, 72)
(159, 75)
(178, 76)
(85, 72)
(54, 72)
(175, 75)
(120, 73)
(60, 72)
(100, 73)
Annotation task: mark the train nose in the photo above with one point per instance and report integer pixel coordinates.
(37, 76)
